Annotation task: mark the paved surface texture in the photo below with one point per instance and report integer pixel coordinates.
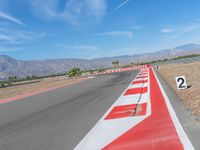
(59, 119)
(190, 123)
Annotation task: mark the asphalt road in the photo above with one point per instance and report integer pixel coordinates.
(59, 119)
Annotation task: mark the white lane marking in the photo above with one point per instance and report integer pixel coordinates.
(107, 131)
(132, 99)
(138, 79)
(138, 85)
(129, 99)
(181, 133)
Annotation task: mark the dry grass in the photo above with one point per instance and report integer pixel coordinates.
(190, 96)
(39, 86)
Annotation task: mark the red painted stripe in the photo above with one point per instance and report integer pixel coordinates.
(131, 91)
(127, 111)
(121, 111)
(142, 74)
(140, 81)
(145, 71)
(154, 133)
(139, 77)
(147, 65)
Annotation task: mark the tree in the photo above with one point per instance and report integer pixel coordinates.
(74, 72)
(132, 63)
(2, 84)
(15, 78)
(33, 77)
(101, 70)
(91, 71)
(28, 78)
(12, 79)
(115, 63)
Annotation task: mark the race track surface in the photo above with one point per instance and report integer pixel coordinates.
(59, 119)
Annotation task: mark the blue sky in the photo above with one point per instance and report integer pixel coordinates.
(42, 29)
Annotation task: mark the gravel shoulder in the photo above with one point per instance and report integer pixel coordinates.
(44, 84)
(191, 96)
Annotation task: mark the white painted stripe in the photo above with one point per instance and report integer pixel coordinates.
(181, 133)
(129, 99)
(141, 75)
(138, 85)
(107, 131)
(132, 99)
(141, 79)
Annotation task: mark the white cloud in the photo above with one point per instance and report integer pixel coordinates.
(179, 30)
(10, 18)
(75, 11)
(4, 37)
(190, 28)
(45, 8)
(9, 49)
(78, 47)
(127, 34)
(12, 35)
(185, 33)
(168, 30)
(121, 5)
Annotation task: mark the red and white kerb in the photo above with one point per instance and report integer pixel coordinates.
(141, 118)
(123, 69)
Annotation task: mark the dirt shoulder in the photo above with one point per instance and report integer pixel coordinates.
(39, 86)
(190, 96)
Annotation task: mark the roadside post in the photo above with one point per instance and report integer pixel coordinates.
(158, 67)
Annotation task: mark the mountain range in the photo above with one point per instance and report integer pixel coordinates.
(12, 67)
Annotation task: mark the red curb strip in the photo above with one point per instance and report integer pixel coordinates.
(155, 132)
(140, 81)
(139, 77)
(138, 120)
(136, 91)
(123, 69)
(127, 111)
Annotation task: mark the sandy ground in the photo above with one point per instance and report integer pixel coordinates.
(190, 96)
(33, 87)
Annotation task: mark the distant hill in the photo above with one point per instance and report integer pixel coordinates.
(189, 47)
(13, 67)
